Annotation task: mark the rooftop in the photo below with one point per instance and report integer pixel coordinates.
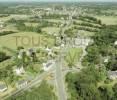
(2, 86)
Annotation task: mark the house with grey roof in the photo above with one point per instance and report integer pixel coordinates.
(3, 87)
(21, 83)
(48, 65)
(112, 75)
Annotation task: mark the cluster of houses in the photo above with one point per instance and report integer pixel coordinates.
(20, 84)
(28, 52)
(20, 70)
(111, 74)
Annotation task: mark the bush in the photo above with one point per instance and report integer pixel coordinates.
(3, 56)
(6, 32)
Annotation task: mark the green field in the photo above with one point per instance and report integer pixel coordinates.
(73, 56)
(108, 20)
(51, 30)
(25, 39)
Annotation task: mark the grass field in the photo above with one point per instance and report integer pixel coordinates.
(51, 30)
(25, 39)
(109, 20)
(73, 56)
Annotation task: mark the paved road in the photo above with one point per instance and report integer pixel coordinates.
(60, 80)
(62, 95)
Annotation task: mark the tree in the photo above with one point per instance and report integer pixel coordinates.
(83, 85)
(115, 91)
(43, 92)
(105, 93)
(3, 56)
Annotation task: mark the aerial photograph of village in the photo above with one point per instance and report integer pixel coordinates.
(58, 49)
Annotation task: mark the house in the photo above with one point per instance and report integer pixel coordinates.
(20, 54)
(48, 65)
(115, 43)
(1, 26)
(112, 75)
(106, 60)
(62, 45)
(19, 71)
(3, 87)
(49, 51)
(21, 83)
(30, 52)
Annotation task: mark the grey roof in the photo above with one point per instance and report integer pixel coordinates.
(32, 50)
(2, 86)
(48, 64)
(21, 82)
(112, 73)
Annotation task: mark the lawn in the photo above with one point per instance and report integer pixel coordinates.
(73, 56)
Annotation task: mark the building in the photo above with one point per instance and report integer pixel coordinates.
(112, 75)
(48, 65)
(49, 51)
(1, 24)
(115, 43)
(20, 54)
(30, 52)
(3, 87)
(20, 70)
(21, 83)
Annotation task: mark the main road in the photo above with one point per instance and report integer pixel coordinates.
(60, 79)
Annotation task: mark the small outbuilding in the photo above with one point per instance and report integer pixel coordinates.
(21, 83)
(48, 65)
(112, 75)
(3, 87)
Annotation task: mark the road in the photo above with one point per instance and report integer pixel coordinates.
(60, 80)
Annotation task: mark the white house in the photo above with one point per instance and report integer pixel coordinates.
(30, 51)
(49, 51)
(19, 71)
(3, 87)
(106, 60)
(1, 24)
(112, 75)
(20, 54)
(21, 83)
(62, 45)
(47, 66)
(115, 43)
